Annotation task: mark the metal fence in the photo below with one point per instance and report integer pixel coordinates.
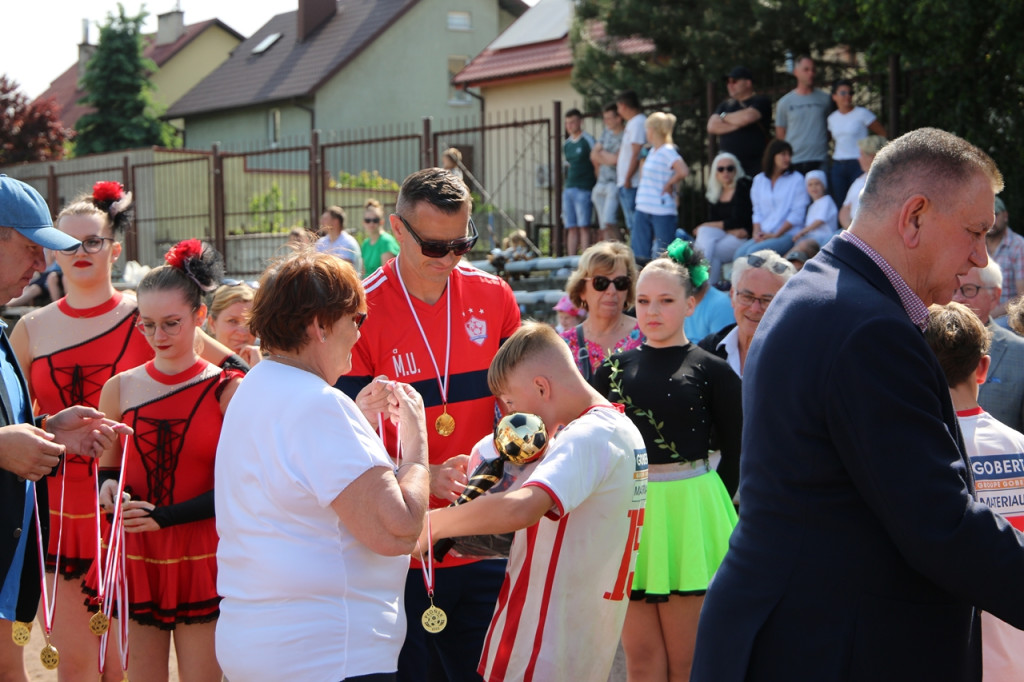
(247, 200)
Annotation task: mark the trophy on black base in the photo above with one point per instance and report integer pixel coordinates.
(519, 438)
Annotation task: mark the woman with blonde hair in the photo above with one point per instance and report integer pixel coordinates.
(229, 320)
(379, 246)
(729, 213)
(657, 209)
(603, 285)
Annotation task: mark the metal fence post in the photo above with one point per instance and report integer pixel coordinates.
(426, 146)
(219, 224)
(315, 180)
(894, 96)
(557, 241)
(52, 193)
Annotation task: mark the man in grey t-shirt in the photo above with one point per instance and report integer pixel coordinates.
(605, 194)
(800, 119)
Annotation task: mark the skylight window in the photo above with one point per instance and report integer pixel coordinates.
(266, 43)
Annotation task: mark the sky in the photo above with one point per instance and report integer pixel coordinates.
(41, 38)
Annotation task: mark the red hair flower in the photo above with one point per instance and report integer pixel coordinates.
(183, 250)
(107, 191)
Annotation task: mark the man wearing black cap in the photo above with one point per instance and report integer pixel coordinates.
(30, 448)
(742, 121)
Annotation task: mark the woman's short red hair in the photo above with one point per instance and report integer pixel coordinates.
(300, 287)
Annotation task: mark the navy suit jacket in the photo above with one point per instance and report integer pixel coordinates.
(1002, 394)
(860, 553)
(12, 505)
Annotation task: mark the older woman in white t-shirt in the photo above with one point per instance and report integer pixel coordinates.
(315, 521)
(847, 125)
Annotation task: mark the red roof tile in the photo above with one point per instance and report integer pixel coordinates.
(64, 89)
(513, 63)
(496, 65)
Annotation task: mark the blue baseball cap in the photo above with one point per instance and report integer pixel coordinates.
(23, 209)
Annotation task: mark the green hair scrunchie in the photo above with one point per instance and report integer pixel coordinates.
(680, 251)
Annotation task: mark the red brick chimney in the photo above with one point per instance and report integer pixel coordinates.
(313, 13)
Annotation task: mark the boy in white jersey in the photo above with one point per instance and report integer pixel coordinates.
(577, 520)
(961, 343)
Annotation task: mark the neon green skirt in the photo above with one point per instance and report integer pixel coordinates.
(687, 524)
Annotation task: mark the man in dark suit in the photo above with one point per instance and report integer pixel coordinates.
(1002, 394)
(860, 552)
(30, 448)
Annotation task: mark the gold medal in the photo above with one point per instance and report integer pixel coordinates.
(434, 619)
(445, 424)
(99, 623)
(50, 657)
(21, 632)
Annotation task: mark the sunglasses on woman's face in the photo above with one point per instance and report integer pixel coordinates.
(727, 169)
(600, 282)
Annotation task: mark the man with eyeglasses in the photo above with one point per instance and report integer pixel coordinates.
(862, 552)
(1002, 394)
(436, 323)
(741, 121)
(30, 447)
(756, 279)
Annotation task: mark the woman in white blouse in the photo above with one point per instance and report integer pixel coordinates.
(779, 199)
(847, 125)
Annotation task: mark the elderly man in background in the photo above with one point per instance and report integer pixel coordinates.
(1002, 394)
(1006, 247)
(861, 553)
(756, 279)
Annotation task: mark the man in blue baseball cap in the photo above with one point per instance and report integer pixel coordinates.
(30, 447)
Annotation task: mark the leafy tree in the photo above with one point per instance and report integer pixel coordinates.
(29, 131)
(960, 67)
(696, 42)
(117, 85)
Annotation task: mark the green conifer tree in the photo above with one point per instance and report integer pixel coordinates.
(117, 85)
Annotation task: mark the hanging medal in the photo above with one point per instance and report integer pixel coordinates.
(49, 656)
(99, 622)
(434, 619)
(21, 633)
(445, 423)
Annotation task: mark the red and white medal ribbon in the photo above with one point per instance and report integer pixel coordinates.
(434, 619)
(113, 578)
(442, 380)
(49, 600)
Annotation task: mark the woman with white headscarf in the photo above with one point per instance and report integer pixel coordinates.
(822, 219)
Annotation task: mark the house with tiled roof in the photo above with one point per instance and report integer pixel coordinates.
(183, 53)
(342, 64)
(529, 65)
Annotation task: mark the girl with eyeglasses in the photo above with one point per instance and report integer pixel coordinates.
(69, 349)
(686, 403)
(379, 246)
(176, 403)
(603, 286)
(729, 214)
